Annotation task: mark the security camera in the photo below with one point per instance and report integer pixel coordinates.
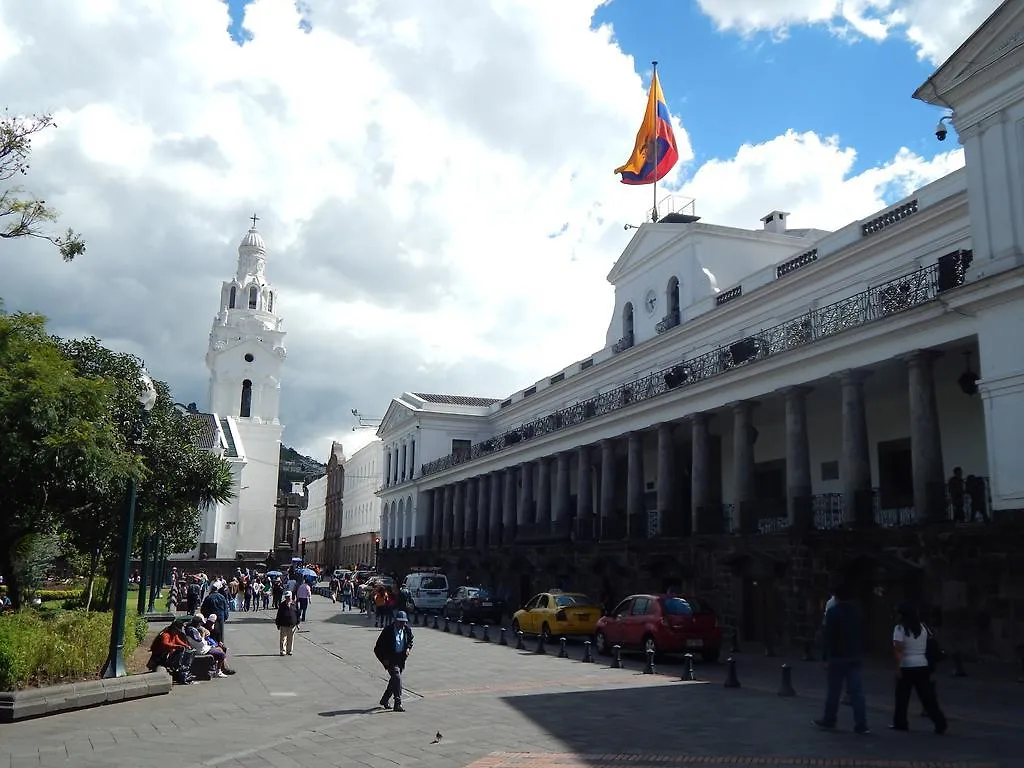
(940, 129)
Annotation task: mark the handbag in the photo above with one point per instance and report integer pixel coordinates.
(934, 653)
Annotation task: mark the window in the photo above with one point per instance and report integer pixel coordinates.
(640, 606)
(564, 601)
(434, 582)
(627, 320)
(673, 295)
(545, 601)
(246, 406)
(254, 297)
(232, 297)
(676, 606)
(461, 447)
(270, 302)
(622, 609)
(534, 603)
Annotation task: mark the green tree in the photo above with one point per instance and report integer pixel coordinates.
(22, 215)
(59, 443)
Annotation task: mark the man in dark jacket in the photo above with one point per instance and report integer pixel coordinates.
(844, 652)
(394, 644)
(287, 622)
(217, 602)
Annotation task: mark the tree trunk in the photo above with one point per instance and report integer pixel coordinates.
(94, 559)
(10, 579)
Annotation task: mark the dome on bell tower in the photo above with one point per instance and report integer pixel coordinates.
(252, 240)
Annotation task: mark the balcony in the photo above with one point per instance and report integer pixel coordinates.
(623, 344)
(669, 321)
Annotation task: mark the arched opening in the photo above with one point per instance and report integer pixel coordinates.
(270, 301)
(254, 296)
(672, 298)
(246, 407)
(627, 320)
(232, 297)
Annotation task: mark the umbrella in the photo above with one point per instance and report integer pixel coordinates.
(274, 573)
(296, 559)
(307, 572)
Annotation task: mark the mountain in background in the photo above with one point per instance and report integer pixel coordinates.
(296, 468)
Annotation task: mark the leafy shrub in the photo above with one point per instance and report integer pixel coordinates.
(59, 594)
(58, 646)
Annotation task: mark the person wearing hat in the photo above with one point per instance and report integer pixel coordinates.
(287, 622)
(394, 644)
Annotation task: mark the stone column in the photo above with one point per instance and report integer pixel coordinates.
(459, 527)
(562, 494)
(607, 500)
(526, 510)
(394, 466)
(469, 500)
(448, 518)
(745, 512)
(428, 520)
(635, 512)
(482, 517)
(926, 439)
(702, 518)
(799, 502)
(666, 480)
(544, 491)
(436, 529)
(508, 506)
(494, 510)
(855, 470)
(403, 462)
(584, 493)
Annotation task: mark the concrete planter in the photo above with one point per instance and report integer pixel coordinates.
(38, 702)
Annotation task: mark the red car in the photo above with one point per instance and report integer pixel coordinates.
(664, 623)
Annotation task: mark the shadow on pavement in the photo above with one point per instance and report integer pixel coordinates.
(714, 722)
(342, 712)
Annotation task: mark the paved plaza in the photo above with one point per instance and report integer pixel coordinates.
(496, 707)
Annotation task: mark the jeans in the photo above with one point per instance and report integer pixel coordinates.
(846, 671)
(918, 679)
(303, 605)
(394, 684)
(346, 601)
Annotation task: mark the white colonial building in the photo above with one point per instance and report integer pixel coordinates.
(766, 378)
(360, 515)
(313, 523)
(245, 357)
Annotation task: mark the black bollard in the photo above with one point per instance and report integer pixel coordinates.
(616, 657)
(735, 642)
(540, 645)
(786, 688)
(731, 679)
(436, 625)
(458, 627)
(446, 629)
(562, 653)
(520, 645)
(649, 666)
(958, 665)
(688, 674)
(808, 650)
(502, 640)
(487, 634)
(588, 656)
(472, 630)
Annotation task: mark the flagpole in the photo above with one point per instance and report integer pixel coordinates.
(654, 186)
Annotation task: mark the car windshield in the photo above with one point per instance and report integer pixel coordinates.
(434, 582)
(564, 601)
(676, 606)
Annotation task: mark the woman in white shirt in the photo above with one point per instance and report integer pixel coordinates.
(910, 643)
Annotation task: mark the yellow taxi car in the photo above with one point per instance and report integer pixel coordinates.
(556, 613)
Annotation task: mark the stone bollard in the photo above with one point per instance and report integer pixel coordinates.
(588, 656)
(446, 629)
(808, 650)
(958, 665)
(458, 628)
(562, 653)
(616, 657)
(436, 624)
(472, 630)
(731, 679)
(688, 674)
(735, 648)
(502, 640)
(649, 666)
(487, 634)
(540, 645)
(786, 688)
(520, 645)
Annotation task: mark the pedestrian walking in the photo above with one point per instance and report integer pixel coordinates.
(393, 646)
(287, 623)
(844, 654)
(303, 593)
(913, 670)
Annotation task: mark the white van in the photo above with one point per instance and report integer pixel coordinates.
(428, 591)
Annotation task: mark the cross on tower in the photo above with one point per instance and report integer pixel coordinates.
(255, 218)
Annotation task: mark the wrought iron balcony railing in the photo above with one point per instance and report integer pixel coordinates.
(894, 296)
(671, 320)
(623, 344)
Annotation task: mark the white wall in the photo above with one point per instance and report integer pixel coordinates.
(256, 514)
(314, 516)
(364, 473)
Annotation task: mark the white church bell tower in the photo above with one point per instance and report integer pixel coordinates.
(245, 358)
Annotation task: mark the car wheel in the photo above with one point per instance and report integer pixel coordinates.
(649, 645)
(711, 656)
(602, 644)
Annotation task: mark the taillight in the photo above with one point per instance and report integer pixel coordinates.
(560, 616)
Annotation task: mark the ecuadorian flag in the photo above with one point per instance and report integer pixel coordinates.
(655, 151)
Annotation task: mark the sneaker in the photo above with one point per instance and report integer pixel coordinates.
(282, 653)
(399, 708)
(823, 725)
(862, 731)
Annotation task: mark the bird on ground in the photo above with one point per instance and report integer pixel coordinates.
(437, 738)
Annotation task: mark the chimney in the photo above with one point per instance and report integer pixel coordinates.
(775, 222)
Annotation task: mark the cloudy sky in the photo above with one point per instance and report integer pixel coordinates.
(434, 178)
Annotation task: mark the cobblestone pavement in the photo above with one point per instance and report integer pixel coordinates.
(495, 707)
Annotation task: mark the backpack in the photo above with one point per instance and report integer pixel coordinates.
(934, 653)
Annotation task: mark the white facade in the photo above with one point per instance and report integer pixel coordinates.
(364, 473)
(245, 357)
(314, 516)
(819, 362)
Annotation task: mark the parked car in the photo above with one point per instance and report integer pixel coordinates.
(662, 623)
(555, 613)
(428, 591)
(474, 604)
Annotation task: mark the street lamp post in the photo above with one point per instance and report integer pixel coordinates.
(114, 665)
(303, 550)
(157, 575)
(144, 574)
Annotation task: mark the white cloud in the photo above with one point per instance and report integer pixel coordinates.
(436, 188)
(935, 29)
